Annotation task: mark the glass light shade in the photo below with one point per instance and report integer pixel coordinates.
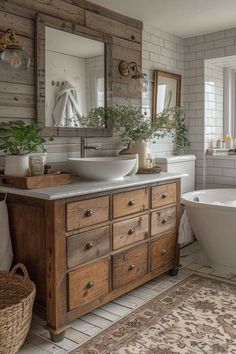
(141, 83)
(16, 57)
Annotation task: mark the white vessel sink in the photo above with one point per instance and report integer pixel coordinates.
(102, 168)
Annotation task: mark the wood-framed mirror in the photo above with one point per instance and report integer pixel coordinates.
(166, 91)
(74, 67)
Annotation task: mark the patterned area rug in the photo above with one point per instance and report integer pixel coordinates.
(197, 315)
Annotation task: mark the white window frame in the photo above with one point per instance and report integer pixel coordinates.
(230, 101)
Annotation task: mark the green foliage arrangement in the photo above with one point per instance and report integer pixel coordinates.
(180, 130)
(17, 138)
(135, 126)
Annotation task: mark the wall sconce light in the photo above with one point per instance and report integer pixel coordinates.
(12, 52)
(132, 68)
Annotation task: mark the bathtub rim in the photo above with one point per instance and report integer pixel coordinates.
(186, 202)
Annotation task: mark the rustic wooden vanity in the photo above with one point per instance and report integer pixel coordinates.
(85, 245)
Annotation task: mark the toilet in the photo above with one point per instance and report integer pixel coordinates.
(183, 164)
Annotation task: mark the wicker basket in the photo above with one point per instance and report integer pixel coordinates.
(17, 295)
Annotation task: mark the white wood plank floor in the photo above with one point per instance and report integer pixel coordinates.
(84, 328)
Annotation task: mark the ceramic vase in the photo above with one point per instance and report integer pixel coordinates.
(141, 148)
(16, 165)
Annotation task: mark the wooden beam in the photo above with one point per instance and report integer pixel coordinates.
(23, 26)
(15, 9)
(56, 8)
(113, 27)
(100, 10)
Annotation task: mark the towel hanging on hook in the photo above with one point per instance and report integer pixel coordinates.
(6, 254)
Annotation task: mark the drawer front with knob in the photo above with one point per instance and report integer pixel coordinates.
(130, 202)
(163, 251)
(130, 265)
(163, 195)
(88, 283)
(87, 212)
(163, 220)
(130, 231)
(87, 246)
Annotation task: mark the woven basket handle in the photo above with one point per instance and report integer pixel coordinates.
(23, 269)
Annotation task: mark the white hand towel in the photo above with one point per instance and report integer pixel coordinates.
(185, 230)
(6, 254)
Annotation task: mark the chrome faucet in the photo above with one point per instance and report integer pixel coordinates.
(84, 147)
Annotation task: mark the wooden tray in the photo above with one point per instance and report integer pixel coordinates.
(35, 182)
(148, 171)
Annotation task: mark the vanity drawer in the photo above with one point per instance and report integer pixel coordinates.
(130, 231)
(163, 220)
(163, 195)
(88, 283)
(87, 212)
(88, 246)
(130, 265)
(130, 202)
(163, 251)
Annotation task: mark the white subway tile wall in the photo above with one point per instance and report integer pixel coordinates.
(220, 172)
(205, 118)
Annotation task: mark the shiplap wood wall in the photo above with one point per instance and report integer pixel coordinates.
(17, 88)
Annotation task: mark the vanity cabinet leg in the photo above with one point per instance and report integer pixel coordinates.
(173, 271)
(57, 337)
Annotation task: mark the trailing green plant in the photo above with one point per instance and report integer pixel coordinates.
(180, 130)
(17, 137)
(133, 124)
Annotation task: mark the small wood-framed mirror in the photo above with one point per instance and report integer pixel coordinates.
(74, 67)
(166, 91)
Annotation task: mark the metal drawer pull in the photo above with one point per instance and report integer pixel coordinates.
(89, 245)
(131, 267)
(163, 252)
(164, 221)
(164, 195)
(89, 212)
(131, 231)
(90, 284)
(131, 202)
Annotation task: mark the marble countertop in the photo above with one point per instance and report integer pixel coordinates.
(82, 187)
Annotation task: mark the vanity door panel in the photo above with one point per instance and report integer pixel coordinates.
(163, 221)
(88, 283)
(130, 202)
(87, 246)
(130, 231)
(87, 212)
(163, 195)
(130, 265)
(163, 251)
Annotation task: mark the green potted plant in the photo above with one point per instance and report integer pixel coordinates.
(136, 130)
(17, 141)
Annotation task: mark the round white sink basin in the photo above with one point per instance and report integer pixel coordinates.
(102, 168)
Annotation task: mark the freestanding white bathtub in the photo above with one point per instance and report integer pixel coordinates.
(212, 214)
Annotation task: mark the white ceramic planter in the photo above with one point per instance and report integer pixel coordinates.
(16, 165)
(141, 148)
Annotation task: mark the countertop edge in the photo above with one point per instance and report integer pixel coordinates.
(46, 194)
